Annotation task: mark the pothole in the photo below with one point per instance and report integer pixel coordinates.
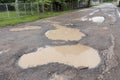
(105, 28)
(92, 13)
(85, 10)
(4, 51)
(77, 19)
(84, 18)
(97, 19)
(64, 33)
(1, 52)
(50, 21)
(67, 34)
(70, 24)
(80, 19)
(73, 55)
(26, 28)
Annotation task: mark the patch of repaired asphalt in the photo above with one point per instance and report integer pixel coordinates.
(26, 28)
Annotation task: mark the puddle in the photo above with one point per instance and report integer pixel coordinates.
(113, 18)
(77, 19)
(26, 28)
(85, 10)
(105, 28)
(4, 51)
(84, 18)
(74, 55)
(118, 12)
(62, 33)
(70, 24)
(98, 19)
(1, 52)
(58, 25)
(50, 21)
(80, 19)
(92, 13)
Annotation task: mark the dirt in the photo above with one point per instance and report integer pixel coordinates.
(103, 38)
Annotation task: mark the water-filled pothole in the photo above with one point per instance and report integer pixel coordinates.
(97, 19)
(105, 28)
(73, 55)
(1, 52)
(26, 28)
(4, 51)
(63, 33)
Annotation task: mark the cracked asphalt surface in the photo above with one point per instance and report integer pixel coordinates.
(103, 37)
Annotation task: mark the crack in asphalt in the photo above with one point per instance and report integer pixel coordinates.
(110, 59)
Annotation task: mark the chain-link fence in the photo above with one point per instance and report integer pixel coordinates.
(12, 10)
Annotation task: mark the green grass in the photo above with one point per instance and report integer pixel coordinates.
(18, 20)
(12, 14)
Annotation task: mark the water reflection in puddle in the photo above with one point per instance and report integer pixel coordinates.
(64, 34)
(74, 55)
(26, 28)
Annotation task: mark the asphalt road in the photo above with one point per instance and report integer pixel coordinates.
(102, 35)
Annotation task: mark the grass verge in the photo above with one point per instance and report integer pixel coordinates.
(15, 21)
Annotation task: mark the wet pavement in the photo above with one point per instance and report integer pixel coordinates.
(80, 45)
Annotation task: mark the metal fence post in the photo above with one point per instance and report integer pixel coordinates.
(43, 8)
(8, 14)
(31, 5)
(17, 9)
(51, 7)
(25, 9)
(38, 8)
(78, 4)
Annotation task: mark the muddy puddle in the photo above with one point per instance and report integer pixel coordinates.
(74, 55)
(97, 19)
(62, 33)
(77, 19)
(81, 19)
(50, 21)
(105, 28)
(26, 28)
(86, 10)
